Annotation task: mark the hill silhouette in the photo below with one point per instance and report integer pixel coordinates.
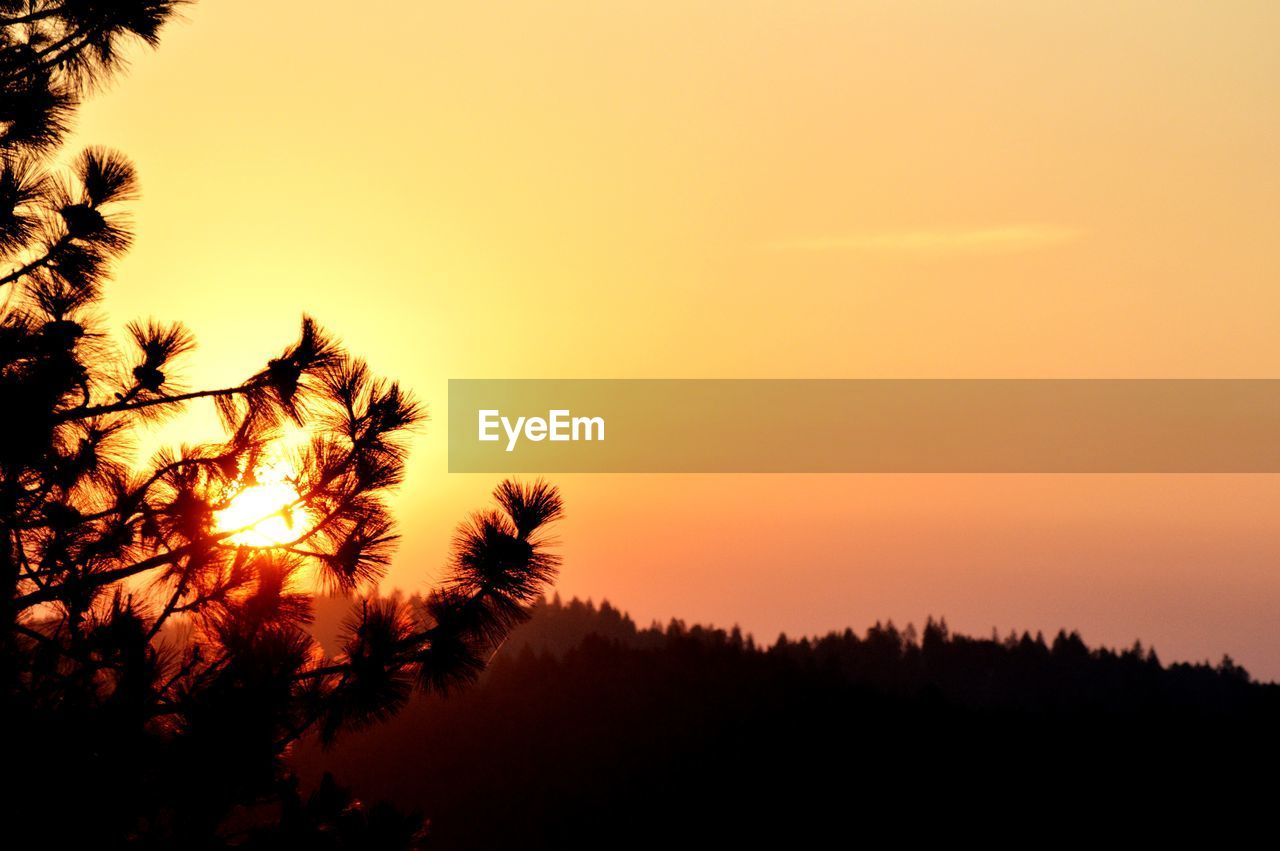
(590, 731)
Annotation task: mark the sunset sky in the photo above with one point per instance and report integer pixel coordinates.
(754, 189)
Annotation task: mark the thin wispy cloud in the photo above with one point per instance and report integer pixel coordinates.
(1001, 238)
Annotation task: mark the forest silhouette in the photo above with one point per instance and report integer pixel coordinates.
(588, 731)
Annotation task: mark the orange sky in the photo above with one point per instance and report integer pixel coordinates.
(755, 189)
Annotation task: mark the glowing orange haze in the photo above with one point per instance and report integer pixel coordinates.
(731, 189)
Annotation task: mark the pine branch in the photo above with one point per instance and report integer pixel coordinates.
(84, 413)
(38, 263)
(108, 577)
(33, 17)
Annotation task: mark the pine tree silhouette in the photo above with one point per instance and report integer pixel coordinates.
(155, 663)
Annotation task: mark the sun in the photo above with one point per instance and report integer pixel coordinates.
(266, 511)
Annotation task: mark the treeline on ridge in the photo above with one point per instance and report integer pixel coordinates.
(587, 723)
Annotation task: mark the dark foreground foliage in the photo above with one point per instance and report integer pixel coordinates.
(155, 657)
(590, 733)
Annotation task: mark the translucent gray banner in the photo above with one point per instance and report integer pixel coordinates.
(864, 425)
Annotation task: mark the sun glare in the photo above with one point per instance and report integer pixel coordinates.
(265, 510)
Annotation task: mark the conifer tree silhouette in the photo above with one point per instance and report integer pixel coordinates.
(153, 664)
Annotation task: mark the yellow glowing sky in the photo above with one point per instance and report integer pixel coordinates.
(755, 189)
